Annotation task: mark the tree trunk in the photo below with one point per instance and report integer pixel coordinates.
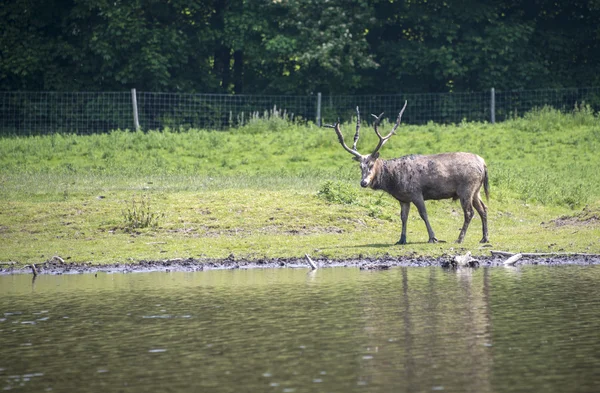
(222, 54)
(238, 72)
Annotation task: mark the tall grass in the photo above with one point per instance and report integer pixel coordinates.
(545, 157)
(140, 214)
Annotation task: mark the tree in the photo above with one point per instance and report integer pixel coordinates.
(32, 51)
(298, 46)
(104, 45)
(453, 45)
(321, 46)
(466, 45)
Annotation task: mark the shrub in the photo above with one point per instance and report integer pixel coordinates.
(338, 192)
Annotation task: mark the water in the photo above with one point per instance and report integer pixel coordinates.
(283, 330)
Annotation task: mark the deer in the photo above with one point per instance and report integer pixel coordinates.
(417, 178)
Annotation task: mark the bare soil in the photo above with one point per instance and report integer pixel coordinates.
(190, 265)
(589, 216)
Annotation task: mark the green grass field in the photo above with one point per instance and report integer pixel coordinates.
(277, 189)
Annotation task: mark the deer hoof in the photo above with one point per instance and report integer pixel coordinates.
(433, 240)
(484, 240)
(402, 240)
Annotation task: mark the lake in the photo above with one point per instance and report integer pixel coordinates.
(533, 328)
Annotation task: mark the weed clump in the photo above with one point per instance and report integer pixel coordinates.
(274, 120)
(338, 192)
(140, 215)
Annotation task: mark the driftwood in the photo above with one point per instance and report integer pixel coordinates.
(8, 263)
(542, 254)
(33, 269)
(512, 260)
(57, 258)
(313, 266)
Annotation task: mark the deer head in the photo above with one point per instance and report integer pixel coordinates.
(368, 163)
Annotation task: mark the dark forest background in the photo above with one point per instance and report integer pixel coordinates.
(298, 46)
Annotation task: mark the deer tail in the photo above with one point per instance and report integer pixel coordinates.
(486, 183)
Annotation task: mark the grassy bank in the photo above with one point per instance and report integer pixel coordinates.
(274, 189)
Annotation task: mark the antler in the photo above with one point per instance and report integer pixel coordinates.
(337, 130)
(383, 140)
(357, 128)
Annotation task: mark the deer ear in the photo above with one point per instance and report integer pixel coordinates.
(356, 158)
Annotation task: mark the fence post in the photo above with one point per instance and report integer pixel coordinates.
(136, 120)
(492, 106)
(319, 109)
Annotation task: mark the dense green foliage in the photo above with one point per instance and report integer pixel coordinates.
(298, 46)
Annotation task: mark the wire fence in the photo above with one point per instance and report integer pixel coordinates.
(217, 111)
(38, 113)
(421, 108)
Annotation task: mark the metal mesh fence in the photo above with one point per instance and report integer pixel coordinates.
(36, 113)
(516, 103)
(421, 108)
(217, 111)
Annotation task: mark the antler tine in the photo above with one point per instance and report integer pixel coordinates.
(383, 140)
(336, 128)
(399, 117)
(357, 129)
(376, 123)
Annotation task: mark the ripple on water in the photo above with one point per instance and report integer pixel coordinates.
(19, 381)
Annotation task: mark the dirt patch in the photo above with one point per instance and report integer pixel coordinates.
(587, 217)
(190, 265)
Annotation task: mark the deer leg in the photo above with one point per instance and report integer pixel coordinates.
(482, 210)
(420, 204)
(404, 209)
(467, 206)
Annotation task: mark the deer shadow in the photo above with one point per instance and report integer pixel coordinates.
(383, 245)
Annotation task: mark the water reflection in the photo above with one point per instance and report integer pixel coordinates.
(405, 330)
(438, 335)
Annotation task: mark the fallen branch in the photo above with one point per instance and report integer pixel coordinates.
(33, 269)
(8, 263)
(512, 260)
(542, 254)
(310, 262)
(56, 258)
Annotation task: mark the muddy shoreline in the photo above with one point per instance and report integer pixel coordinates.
(54, 266)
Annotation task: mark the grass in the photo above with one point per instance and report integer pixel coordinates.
(279, 189)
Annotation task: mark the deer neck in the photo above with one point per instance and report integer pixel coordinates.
(379, 181)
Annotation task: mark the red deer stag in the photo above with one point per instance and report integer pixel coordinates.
(416, 178)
